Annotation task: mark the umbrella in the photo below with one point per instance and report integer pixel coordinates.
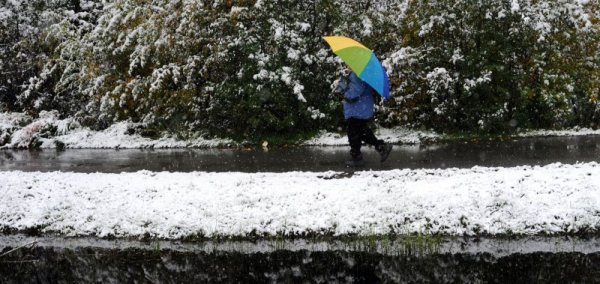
(362, 61)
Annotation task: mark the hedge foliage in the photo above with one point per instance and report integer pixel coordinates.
(249, 69)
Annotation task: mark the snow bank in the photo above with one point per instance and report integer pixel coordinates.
(401, 135)
(397, 135)
(12, 120)
(568, 132)
(73, 136)
(49, 131)
(524, 200)
(116, 137)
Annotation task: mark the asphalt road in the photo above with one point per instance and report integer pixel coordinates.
(524, 151)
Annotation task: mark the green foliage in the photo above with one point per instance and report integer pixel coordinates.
(244, 71)
(17, 53)
(255, 69)
(280, 87)
(562, 78)
(494, 67)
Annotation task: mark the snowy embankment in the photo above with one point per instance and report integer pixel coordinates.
(553, 199)
(18, 130)
(397, 135)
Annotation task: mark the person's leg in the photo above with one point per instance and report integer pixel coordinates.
(354, 137)
(367, 135)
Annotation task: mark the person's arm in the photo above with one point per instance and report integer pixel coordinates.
(356, 88)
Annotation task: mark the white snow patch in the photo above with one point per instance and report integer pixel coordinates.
(116, 137)
(367, 25)
(567, 132)
(397, 135)
(514, 6)
(5, 14)
(74, 136)
(22, 137)
(11, 120)
(524, 200)
(237, 10)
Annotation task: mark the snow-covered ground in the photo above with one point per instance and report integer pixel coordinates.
(568, 132)
(74, 136)
(552, 199)
(397, 135)
(19, 130)
(116, 137)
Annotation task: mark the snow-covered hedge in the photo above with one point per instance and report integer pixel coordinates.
(250, 69)
(498, 65)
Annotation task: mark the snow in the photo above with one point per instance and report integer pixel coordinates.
(236, 9)
(367, 26)
(526, 200)
(5, 14)
(74, 136)
(116, 137)
(514, 6)
(11, 120)
(567, 132)
(397, 135)
(402, 135)
(22, 137)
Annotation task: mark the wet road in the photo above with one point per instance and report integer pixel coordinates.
(524, 151)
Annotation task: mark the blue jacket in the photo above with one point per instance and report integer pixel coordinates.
(358, 99)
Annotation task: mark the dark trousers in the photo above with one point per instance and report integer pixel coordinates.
(358, 132)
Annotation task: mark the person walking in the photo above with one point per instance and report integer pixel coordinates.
(359, 103)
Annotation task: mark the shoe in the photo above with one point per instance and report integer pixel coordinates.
(384, 152)
(356, 162)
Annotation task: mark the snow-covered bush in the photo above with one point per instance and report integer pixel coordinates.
(10, 123)
(189, 65)
(19, 29)
(496, 65)
(33, 34)
(255, 69)
(29, 136)
(563, 73)
(282, 83)
(251, 69)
